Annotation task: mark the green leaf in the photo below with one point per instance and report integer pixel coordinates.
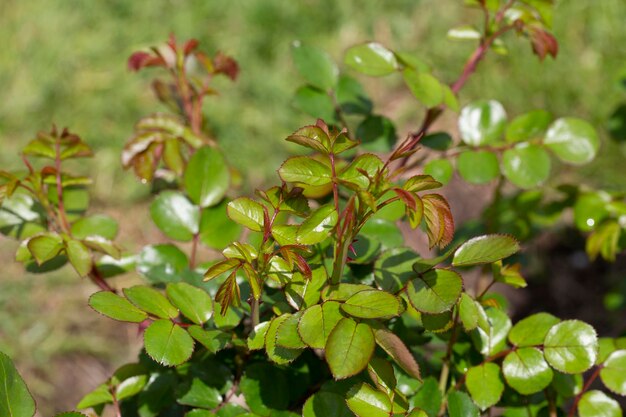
(287, 333)
(151, 301)
(98, 224)
(365, 401)
(317, 322)
(213, 340)
(355, 172)
(528, 126)
(574, 141)
(493, 341)
(247, 213)
(193, 302)
(377, 134)
(317, 226)
(15, 399)
(373, 304)
(468, 312)
(590, 209)
(482, 122)
(130, 386)
(392, 269)
(595, 403)
(485, 385)
(116, 307)
(207, 177)
(265, 388)
(45, 246)
(381, 372)
(478, 167)
(398, 351)
(485, 249)
(168, 343)
(305, 170)
(256, 338)
(571, 346)
(175, 216)
(315, 65)
(100, 395)
(436, 291)
(349, 348)
(425, 87)
(79, 256)
(460, 405)
(526, 165)
(302, 292)
(532, 330)
(314, 102)
(199, 394)
(428, 398)
(464, 33)
(279, 354)
(352, 98)
(440, 169)
(161, 263)
(371, 59)
(326, 404)
(613, 372)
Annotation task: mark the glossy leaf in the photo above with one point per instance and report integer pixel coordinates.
(15, 399)
(167, 343)
(371, 59)
(494, 340)
(355, 173)
(365, 401)
(478, 167)
(590, 209)
(528, 126)
(317, 226)
(372, 304)
(571, 346)
(45, 246)
(317, 322)
(315, 65)
(485, 385)
(436, 291)
(256, 338)
(305, 170)
(595, 403)
(532, 330)
(213, 340)
(485, 249)
(100, 395)
(287, 333)
(199, 394)
(175, 216)
(279, 354)
(349, 348)
(325, 404)
(116, 307)
(193, 302)
(460, 405)
(161, 263)
(247, 213)
(426, 88)
(573, 141)
(98, 224)
(482, 122)
(151, 301)
(526, 165)
(207, 177)
(613, 373)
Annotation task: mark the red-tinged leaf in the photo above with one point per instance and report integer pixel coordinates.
(228, 293)
(221, 267)
(223, 64)
(303, 266)
(140, 60)
(255, 281)
(313, 137)
(322, 125)
(421, 183)
(407, 198)
(190, 46)
(439, 221)
(395, 347)
(267, 224)
(415, 216)
(543, 43)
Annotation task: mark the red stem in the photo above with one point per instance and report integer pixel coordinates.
(596, 373)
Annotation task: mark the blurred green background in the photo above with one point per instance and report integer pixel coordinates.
(64, 62)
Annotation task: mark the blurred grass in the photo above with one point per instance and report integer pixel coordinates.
(64, 62)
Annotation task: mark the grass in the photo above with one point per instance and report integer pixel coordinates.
(63, 61)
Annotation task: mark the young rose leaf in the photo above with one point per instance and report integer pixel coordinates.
(220, 268)
(439, 169)
(343, 291)
(371, 59)
(595, 403)
(213, 340)
(478, 167)
(305, 170)
(485, 249)
(426, 88)
(571, 346)
(45, 246)
(436, 291)
(532, 330)
(526, 370)
(15, 399)
(247, 213)
(116, 307)
(372, 304)
(301, 292)
(365, 401)
(98, 224)
(151, 301)
(315, 65)
(79, 256)
(526, 165)
(102, 245)
(613, 372)
(287, 333)
(175, 216)
(278, 354)
(317, 226)
(574, 141)
(311, 137)
(168, 343)
(482, 122)
(193, 302)
(439, 221)
(256, 338)
(207, 177)
(461, 405)
(349, 348)
(317, 322)
(398, 351)
(529, 126)
(227, 295)
(484, 385)
(324, 404)
(493, 339)
(360, 170)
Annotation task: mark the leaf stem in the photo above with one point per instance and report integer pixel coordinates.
(594, 375)
(59, 186)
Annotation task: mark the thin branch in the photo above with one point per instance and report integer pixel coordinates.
(594, 375)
